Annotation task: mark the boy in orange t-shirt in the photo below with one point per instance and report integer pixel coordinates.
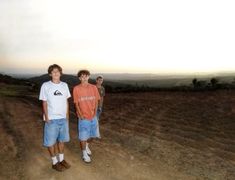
(86, 97)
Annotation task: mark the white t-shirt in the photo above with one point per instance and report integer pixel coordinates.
(56, 96)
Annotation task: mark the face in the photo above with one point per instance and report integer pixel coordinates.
(99, 81)
(84, 78)
(55, 74)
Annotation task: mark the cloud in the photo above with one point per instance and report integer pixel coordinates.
(124, 35)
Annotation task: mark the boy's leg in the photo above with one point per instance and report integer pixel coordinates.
(61, 150)
(50, 136)
(89, 140)
(99, 110)
(63, 134)
(87, 146)
(63, 137)
(94, 134)
(85, 155)
(84, 134)
(60, 147)
(83, 145)
(52, 151)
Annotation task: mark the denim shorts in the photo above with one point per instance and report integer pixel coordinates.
(56, 130)
(88, 129)
(98, 112)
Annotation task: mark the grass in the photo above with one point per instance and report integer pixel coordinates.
(13, 90)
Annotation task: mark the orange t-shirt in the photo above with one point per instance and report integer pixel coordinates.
(87, 97)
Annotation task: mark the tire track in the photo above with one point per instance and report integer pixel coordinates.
(18, 140)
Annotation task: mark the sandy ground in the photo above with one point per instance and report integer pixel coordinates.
(144, 136)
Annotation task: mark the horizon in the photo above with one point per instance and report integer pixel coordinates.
(133, 76)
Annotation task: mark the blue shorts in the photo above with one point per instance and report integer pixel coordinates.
(88, 129)
(98, 113)
(56, 130)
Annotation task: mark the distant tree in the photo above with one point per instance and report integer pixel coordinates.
(194, 81)
(199, 85)
(202, 84)
(233, 84)
(214, 82)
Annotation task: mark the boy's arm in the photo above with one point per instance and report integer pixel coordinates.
(67, 115)
(96, 107)
(102, 98)
(97, 102)
(78, 111)
(45, 111)
(101, 101)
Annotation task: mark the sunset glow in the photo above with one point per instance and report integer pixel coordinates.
(134, 36)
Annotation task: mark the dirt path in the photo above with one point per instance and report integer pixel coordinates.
(25, 158)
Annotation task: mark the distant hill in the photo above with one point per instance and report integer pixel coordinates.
(72, 80)
(10, 80)
(144, 76)
(135, 84)
(167, 82)
(157, 80)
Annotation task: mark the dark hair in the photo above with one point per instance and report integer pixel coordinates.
(99, 77)
(84, 71)
(54, 66)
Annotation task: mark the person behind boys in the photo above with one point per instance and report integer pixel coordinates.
(54, 95)
(86, 97)
(101, 89)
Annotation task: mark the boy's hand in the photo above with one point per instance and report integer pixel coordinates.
(47, 120)
(93, 113)
(99, 109)
(81, 117)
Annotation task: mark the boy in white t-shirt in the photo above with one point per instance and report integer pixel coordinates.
(54, 95)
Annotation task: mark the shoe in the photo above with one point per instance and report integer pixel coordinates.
(58, 167)
(65, 164)
(86, 158)
(88, 151)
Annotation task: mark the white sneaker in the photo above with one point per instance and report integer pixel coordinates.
(88, 151)
(86, 158)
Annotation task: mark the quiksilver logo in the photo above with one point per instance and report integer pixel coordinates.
(58, 93)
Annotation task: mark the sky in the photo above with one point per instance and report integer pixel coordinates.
(121, 36)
